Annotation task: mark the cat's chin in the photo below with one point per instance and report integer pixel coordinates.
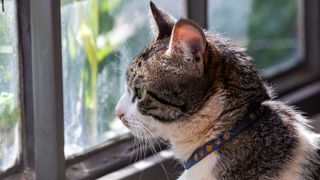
(125, 122)
(141, 134)
(146, 128)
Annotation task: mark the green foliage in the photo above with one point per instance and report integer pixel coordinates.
(89, 33)
(6, 40)
(5, 74)
(99, 21)
(5, 28)
(272, 31)
(8, 113)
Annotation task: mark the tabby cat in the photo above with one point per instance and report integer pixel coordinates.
(204, 96)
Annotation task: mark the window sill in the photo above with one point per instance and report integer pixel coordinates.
(157, 167)
(106, 159)
(22, 176)
(293, 79)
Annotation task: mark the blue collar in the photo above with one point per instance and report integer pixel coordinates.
(203, 151)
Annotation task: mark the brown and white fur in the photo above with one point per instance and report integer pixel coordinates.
(188, 86)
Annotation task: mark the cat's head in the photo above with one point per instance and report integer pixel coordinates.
(169, 80)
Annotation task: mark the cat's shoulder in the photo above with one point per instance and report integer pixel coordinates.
(305, 157)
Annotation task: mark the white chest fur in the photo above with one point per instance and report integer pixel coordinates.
(203, 170)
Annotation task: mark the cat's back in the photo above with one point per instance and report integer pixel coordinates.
(304, 162)
(278, 146)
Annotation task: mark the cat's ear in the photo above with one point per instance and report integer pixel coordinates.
(188, 38)
(163, 21)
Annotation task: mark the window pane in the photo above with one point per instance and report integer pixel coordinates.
(9, 88)
(267, 28)
(99, 39)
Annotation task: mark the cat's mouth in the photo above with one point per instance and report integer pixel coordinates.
(124, 121)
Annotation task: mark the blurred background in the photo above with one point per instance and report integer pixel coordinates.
(99, 38)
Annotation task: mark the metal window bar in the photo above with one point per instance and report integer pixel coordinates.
(47, 89)
(312, 29)
(23, 10)
(197, 11)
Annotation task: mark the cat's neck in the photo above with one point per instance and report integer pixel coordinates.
(186, 136)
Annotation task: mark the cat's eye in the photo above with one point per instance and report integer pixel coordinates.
(140, 93)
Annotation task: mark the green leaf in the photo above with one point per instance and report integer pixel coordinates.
(71, 45)
(94, 18)
(88, 43)
(102, 53)
(106, 5)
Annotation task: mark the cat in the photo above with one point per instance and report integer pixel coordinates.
(204, 95)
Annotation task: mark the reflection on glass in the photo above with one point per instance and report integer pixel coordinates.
(99, 39)
(267, 28)
(9, 88)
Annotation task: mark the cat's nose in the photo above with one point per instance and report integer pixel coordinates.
(119, 112)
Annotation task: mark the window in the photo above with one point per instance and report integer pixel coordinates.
(10, 116)
(62, 67)
(99, 40)
(269, 30)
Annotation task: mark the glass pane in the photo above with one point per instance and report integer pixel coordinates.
(9, 88)
(267, 28)
(99, 39)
